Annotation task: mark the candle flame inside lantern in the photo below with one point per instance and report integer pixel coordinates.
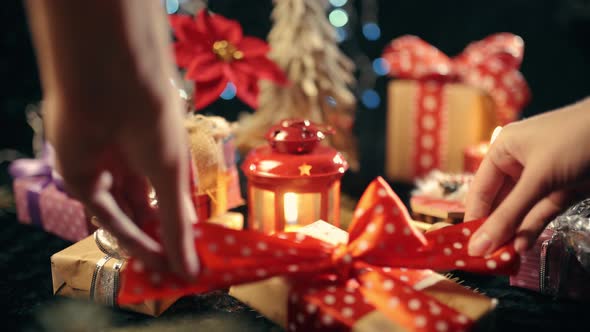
(495, 134)
(290, 206)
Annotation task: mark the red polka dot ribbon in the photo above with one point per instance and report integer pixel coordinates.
(490, 64)
(381, 268)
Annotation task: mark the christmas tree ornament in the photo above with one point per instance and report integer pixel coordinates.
(293, 180)
(304, 45)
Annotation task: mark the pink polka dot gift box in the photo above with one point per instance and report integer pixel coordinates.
(438, 106)
(378, 276)
(64, 216)
(40, 201)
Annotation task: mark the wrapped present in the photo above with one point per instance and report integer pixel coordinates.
(376, 279)
(213, 155)
(64, 216)
(31, 176)
(559, 262)
(41, 200)
(441, 105)
(84, 271)
(440, 197)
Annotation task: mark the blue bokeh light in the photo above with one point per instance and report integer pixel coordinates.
(338, 3)
(331, 101)
(371, 31)
(370, 98)
(229, 92)
(380, 66)
(341, 34)
(172, 6)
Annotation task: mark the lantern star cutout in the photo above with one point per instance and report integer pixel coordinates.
(214, 52)
(305, 169)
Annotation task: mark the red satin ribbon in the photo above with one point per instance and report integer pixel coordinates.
(376, 270)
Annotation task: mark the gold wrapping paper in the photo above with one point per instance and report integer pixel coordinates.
(471, 120)
(269, 297)
(72, 271)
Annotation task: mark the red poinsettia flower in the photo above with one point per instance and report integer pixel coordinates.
(214, 52)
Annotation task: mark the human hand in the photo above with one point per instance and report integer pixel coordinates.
(533, 170)
(116, 122)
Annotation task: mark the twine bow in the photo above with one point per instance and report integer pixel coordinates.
(490, 64)
(381, 263)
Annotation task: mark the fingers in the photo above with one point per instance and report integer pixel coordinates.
(503, 222)
(495, 176)
(163, 158)
(139, 244)
(542, 213)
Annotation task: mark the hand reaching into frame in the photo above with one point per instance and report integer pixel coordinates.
(534, 169)
(116, 122)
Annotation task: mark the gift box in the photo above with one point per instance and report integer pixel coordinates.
(382, 270)
(551, 268)
(438, 106)
(271, 297)
(64, 216)
(22, 195)
(83, 271)
(213, 157)
(440, 197)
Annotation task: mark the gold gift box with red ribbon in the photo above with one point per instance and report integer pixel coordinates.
(383, 270)
(438, 106)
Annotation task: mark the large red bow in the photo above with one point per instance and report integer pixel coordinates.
(377, 264)
(490, 64)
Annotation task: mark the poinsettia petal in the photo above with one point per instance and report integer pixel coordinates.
(252, 46)
(208, 92)
(185, 29)
(204, 67)
(184, 53)
(262, 68)
(216, 27)
(246, 87)
(227, 29)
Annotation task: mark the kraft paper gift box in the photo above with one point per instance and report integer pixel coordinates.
(438, 105)
(415, 147)
(270, 297)
(75, 274)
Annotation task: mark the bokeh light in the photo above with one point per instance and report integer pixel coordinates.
(331, 101)
(338, 3)
(371, 31)
(172, 6)
(229, 92)
(338, 18)
(341, 34)
(380, 66)
(370, 98)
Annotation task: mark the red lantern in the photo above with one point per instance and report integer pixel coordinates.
(293, 181)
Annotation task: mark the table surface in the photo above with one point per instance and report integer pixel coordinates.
(27, 303)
